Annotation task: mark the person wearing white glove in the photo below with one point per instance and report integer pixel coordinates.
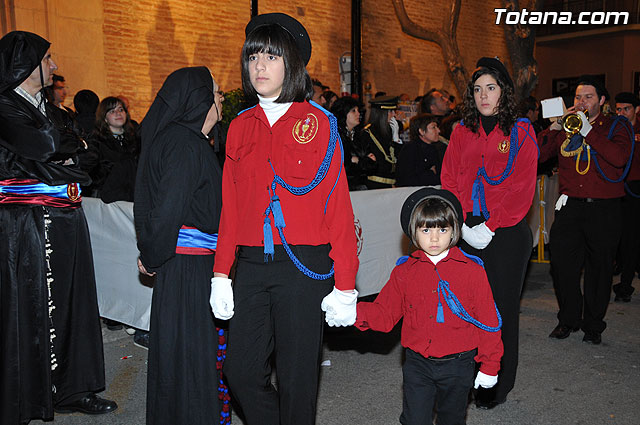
(395, 130)
(381, 138)
(340, 307)
(478, 236)
(491, 165)
(485, 381)
(221, 299)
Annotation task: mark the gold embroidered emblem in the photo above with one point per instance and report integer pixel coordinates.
(503, 147)
(73, 192)
(305, 129)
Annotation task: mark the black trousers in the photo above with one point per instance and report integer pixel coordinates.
(584, 235)
(443, 383)
(505, 260)
(630, 240)
(277, 316)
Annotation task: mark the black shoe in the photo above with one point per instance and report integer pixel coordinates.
(90, 404)
(141, 339)
(112, 325)
(591, 337)
(562, 332)
(623, 293)
(486, 398)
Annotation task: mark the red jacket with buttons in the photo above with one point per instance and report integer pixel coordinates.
(507, 202)
(295, 146)
(412, 294)
(612, 156)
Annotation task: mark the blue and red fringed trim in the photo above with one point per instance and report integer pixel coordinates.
(223, 390)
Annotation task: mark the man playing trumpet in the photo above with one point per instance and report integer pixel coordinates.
(587, 225)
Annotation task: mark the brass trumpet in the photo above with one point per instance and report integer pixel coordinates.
(572, 123)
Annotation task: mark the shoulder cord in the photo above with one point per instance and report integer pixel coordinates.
(391, 159)
(477, 193)
(629, 129)
(456, 307)
(274, 208)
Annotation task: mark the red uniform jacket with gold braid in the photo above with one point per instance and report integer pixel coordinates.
(295, 146)
(507, 202)
(411, 293)
(612, 156)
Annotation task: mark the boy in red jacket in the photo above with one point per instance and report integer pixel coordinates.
(442, 342)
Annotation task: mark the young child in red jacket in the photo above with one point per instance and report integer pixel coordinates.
(450, 319)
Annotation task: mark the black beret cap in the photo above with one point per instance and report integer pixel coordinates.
(20, 53)
(628, 97)
(385, 102)
(291, 25)
(421, 194)
(592, 80)
(496, 65)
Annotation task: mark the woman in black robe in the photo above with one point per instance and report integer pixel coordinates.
(177, 195)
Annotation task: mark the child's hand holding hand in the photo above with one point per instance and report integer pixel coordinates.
(485, 381)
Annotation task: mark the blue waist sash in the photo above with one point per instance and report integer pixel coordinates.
(57, 191)
(194, 238)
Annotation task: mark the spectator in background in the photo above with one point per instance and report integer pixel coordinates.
(347, 112)
(328, 97)
(57, 93)
(318, 89)
(420, 161)
(86, 103)
(380, 162)
(529, 107)
(111, 160)
(436, 103)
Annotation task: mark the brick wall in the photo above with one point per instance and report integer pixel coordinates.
(128, 47)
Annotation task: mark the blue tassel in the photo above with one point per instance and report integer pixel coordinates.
(475, 196)
(276, 209)
(440, 315)
(402, 260)
(268, 239)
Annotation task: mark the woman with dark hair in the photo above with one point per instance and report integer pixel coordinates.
(347, 112)
(490, 165)
(420, 161)
(380, 162)
(177, 211)
(113, 153)
(284, 164)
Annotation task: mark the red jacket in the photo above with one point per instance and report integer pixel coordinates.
(612, 156)
(507, 202)
(295, 146)
(411, 292)
(634, 171)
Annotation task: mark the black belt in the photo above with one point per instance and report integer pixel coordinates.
(450, 356)
(590, 200)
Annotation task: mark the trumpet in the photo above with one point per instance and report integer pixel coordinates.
(572, 123)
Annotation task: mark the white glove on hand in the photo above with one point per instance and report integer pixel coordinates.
(221, 299)
(478, 236)
(340, 307)
(395, 130)
(561, 202)
(485, 381)
(586, 125)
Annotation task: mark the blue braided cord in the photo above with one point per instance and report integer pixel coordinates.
(626, 187)
(276, 210)
(456, 308)
(625, 122)
(402, 260)
(473, 258)
(245, 110)
(514, 149)
(299, 265)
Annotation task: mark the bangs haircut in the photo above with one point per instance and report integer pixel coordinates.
(107, 104)
(420, 122)
(275, 40)
(434, 212)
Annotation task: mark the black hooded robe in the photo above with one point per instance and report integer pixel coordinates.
(179, 183)
(36, 371)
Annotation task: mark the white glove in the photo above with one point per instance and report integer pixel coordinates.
(221, 299)
(586, 125)
(478, 236)
(340, 307)
(485, 381)
(561, 202)
(395, 130)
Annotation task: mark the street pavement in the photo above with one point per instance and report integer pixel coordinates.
(560, 382)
